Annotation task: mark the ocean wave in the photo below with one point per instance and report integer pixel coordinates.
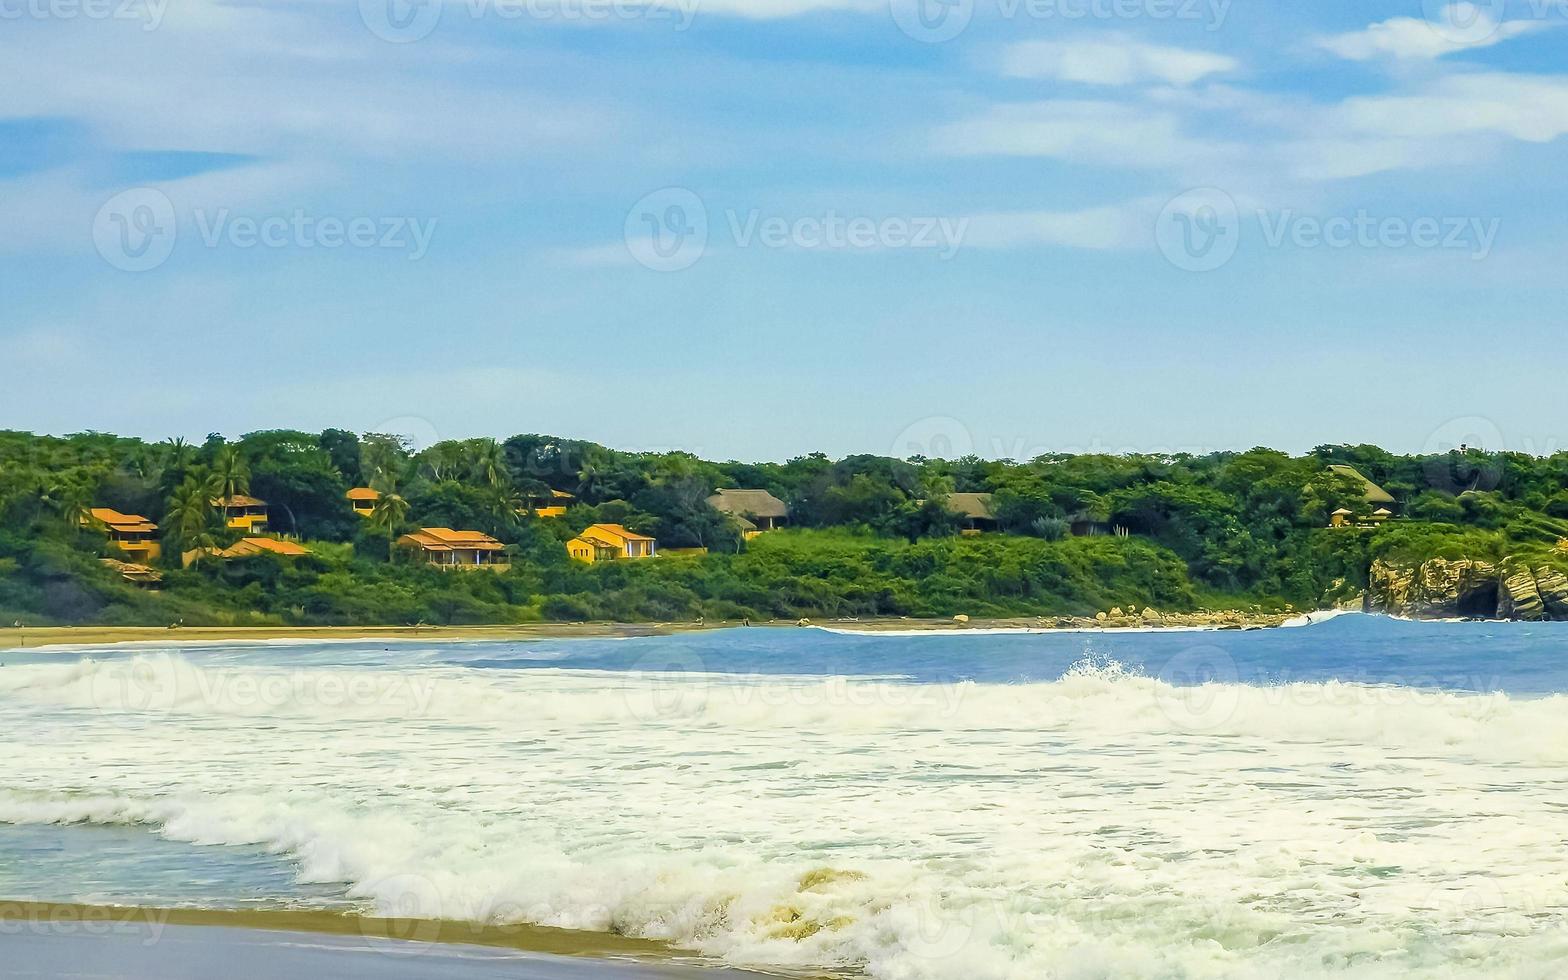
(1104, 824)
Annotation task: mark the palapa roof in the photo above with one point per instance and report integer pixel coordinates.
(615, 532)
(446, 539)
(1370, 492)
(253, 546)
(1344, 512)
(973, 505)
(363, 493)
(133, 572)
(114, 520)
(749, 503)
(238, 500)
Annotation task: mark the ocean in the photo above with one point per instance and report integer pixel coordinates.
(1356, 798)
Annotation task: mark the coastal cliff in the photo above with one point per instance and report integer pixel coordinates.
(1444, 588)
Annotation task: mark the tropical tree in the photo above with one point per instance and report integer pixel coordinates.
(389, 513)
(188, 522)
(230, 472)
(490, 463)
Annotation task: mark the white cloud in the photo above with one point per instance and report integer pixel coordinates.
(1116, 227)
(1458, 27)
(1083, 131)
(1533, 108)
(1111, 62)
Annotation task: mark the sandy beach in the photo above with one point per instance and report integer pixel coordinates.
(53, 939)
(31, 637)
(36, 637)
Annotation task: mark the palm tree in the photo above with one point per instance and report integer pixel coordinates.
(178, 457)
(71, 501)
(490, 463)
(231, 472)
(389, 513)
(381, 459)
(589, 482)
(189, 518)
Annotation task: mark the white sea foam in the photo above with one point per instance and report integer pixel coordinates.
(1103, 825)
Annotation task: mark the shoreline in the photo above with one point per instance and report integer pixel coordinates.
(66, 638)
(367, 935)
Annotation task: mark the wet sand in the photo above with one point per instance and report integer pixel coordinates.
(31, 637)
(52, 939)
(42, 637)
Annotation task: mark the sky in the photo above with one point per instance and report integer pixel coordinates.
(754, 229)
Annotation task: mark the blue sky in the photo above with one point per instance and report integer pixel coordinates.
(757, 228)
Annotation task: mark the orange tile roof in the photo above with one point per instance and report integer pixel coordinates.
(364, 493)
(121, 522)
(617, 531)
(446, 539)
(274, 545)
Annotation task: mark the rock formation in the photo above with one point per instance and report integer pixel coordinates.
(1446, 588)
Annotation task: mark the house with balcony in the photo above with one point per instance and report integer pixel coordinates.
(610, 542)
(242, 513)
(449, 549)
(363, 500)
(132, 534)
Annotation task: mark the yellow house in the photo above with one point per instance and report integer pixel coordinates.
(449, 549)
(133, 534)
(552, 504)
(243, 513)
(610, 542)
(363, 500)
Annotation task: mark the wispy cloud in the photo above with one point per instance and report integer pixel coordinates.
(1458, 27)
(1120, 226)
(1533, 108)
(1114, 61)
(1087, 131)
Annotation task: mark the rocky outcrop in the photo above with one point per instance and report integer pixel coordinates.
(1553, 587)
(1445, 588)
(1519, 598)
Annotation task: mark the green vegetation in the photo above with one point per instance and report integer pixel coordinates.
(869, 536)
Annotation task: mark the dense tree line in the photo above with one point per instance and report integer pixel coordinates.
(872, 535)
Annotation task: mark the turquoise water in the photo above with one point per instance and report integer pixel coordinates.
(1356, 798)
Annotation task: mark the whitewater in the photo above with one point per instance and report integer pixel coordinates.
(1233, 806)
